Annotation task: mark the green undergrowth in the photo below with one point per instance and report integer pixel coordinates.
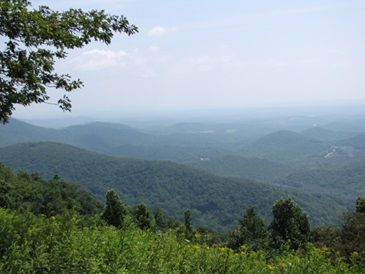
(74, 244)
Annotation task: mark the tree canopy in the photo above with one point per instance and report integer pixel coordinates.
(34, 39)
(115, 210)
(290, 224)
(251, 231)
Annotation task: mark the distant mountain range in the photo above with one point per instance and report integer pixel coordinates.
(189, 143)
(322, 167)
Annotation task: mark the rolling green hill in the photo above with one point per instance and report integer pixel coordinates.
(347, 181)
(19, 132)
(215, 201)
(190, 142)
(327, 135)
(357, 142)
(286, 146)
(118, 140)
(96, 135)
(104, 135)
(244, 167)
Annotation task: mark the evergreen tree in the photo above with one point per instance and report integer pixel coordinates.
(160, 219)
(5, 200)
(143, 217)
(115, 210)
(289, 225)
(188, 225)
(251, 231)
(353, 230)
(353, 233)
(360, 205)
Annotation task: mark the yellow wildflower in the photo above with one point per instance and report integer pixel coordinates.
(222, 249)
(196, 247)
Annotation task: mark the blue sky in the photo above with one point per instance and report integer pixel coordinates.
(218, 54)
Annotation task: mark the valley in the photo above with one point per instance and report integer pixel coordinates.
(217, 170)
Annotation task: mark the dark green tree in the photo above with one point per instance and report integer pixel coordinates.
(208, 236)
(115, 210)
(160, 219)
(188, 225)
(5, 200)
(353, 233)
(251, 231)
(353, 230)
(143, 217)
(5, 189)
(360, 205)
(289, 225)
(34, 39)
(347, 238)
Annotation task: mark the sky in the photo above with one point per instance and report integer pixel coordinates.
(200, 55)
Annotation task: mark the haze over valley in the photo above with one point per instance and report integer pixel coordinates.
(215, 165)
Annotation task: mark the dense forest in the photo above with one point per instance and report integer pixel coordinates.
(54, 226)
(216, 202)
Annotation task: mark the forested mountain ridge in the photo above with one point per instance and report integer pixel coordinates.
(245, 167)
(103, 137)
(324, 134)
(307, 160)
(115, 140)
(285, 145)
(86, 135)
(347, 181)
(20, 132)
(190, 142)
(29, 192)
(215, 201)
(357, 142)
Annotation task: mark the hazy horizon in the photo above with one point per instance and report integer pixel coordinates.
(320, 114)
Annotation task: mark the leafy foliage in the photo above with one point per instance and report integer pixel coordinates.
(188, 225)
(4, 194)
(353, 233)
(347, 239)
(143, 217)
(36, 244)
(29, 192)
(35, 40)
(251, 231)
(115, 210)
(360, 205)
(290, 223)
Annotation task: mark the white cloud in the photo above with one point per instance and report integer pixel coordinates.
(154, 48)
(97, 59)
(105, 53)
(160, 31)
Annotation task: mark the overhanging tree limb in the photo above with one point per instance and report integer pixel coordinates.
(35, 39)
